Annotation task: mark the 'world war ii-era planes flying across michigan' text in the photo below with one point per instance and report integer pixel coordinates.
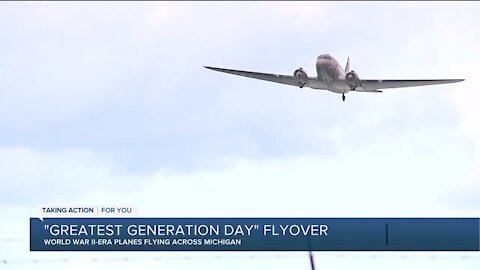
(332, 77)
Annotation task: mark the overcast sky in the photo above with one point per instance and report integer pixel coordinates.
(109, 103)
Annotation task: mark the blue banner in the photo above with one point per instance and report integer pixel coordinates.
(255, 234)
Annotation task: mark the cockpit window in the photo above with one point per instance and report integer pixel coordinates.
(325, 56)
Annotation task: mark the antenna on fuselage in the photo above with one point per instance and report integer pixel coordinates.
(312, 262)
(310, 254)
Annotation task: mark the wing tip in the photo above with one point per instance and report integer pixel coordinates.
(213, 68)
(454, 80)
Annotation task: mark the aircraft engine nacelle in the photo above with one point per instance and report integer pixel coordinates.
(301, 76)
(352, 79)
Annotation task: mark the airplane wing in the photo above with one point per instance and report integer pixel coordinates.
(283, 79)
(365, 85)
(374, 85)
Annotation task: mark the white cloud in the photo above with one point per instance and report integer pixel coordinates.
(32, 177)
(333, 183)
(82, 66)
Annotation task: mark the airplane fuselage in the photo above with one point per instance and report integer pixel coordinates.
(330, 71)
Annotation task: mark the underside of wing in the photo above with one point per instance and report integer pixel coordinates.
(283, 79)
(374, 85)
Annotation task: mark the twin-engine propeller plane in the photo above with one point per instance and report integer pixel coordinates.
(332, 77)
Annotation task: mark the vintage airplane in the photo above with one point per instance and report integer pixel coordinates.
(332, 77)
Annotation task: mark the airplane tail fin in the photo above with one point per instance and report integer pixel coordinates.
(347, 67)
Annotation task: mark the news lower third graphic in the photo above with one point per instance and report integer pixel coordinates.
(253, 234)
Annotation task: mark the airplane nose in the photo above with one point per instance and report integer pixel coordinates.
(323, 67)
